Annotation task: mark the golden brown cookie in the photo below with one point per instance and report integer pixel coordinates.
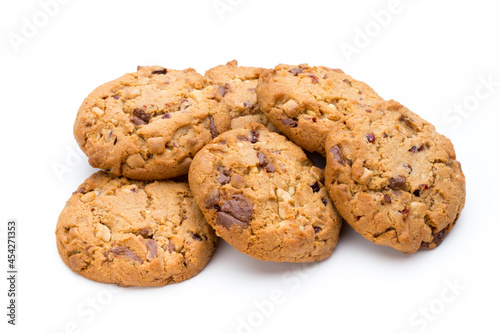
(393, 178)
(304, 102)
(134, 233)
(149, 124)
(263, 195)
(237, 84)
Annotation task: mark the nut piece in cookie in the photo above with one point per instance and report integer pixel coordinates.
(263, 195)
(393, 178)
(134, 233)
(149, 124)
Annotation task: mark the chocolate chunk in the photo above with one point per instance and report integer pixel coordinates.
(141, 114)
(324, 201)
(239, 208)
(270, 168)
(296, 71)
(222, 90)
(125, 251)
(171, 247)
(315, 187)
(255, 137)
(337, 155)
(370, 137)
(289, 122)
(314, 78)
(416, 193)
(397, 183)
(317, 229)
(161, 71)
(416, 149)
(213, 201)
(263, 160)
(249, 105)
(80, 190)
(227, 221)
(197, 237)
(152, 247)
(224, 177)
(213, 129)
(439, 237)
(138, 121)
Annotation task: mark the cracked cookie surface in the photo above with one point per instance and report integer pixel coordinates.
(134, 233)
(393, 178)
(304, 102)
(149, 124)
(262, 195)
(237, 85)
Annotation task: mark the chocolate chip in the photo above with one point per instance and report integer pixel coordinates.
(315, 187)
(405, 211)
(416, 193)
(270, 168)
(324, 201)
(161, 71)
(213, 129)
(296, 71)
(144, 232)
(171, 247)
(263, 160)
(337, 155)
(213, 201)
(255, 137)
(227, 221)
(314, 119)
(152, 247)
(289, 122)
(224, 177)
(141, 114)
(314, 78)
(222, 90)
(416, 149)
(317, 229)
(249, 105)
(397, 183)
(125, 251)
(116, 140)
(370, 137)
(138, 121)
(348, 82)
(439, 237)
(197, 237)
(239, 208)
(80, 190)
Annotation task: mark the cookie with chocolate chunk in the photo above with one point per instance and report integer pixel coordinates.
(393, 178)
(149, 124)
(237, 85)
(263, 195)
(304, 102)
(134, 233)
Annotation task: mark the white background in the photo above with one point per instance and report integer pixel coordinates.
(429, 55)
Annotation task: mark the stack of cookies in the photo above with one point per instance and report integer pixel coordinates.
(239, 134)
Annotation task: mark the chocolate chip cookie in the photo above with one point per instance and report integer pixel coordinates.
(262, 195)
(393, 178)
(237, 85)
(134, 233)
(304, 102)
(149, 124)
